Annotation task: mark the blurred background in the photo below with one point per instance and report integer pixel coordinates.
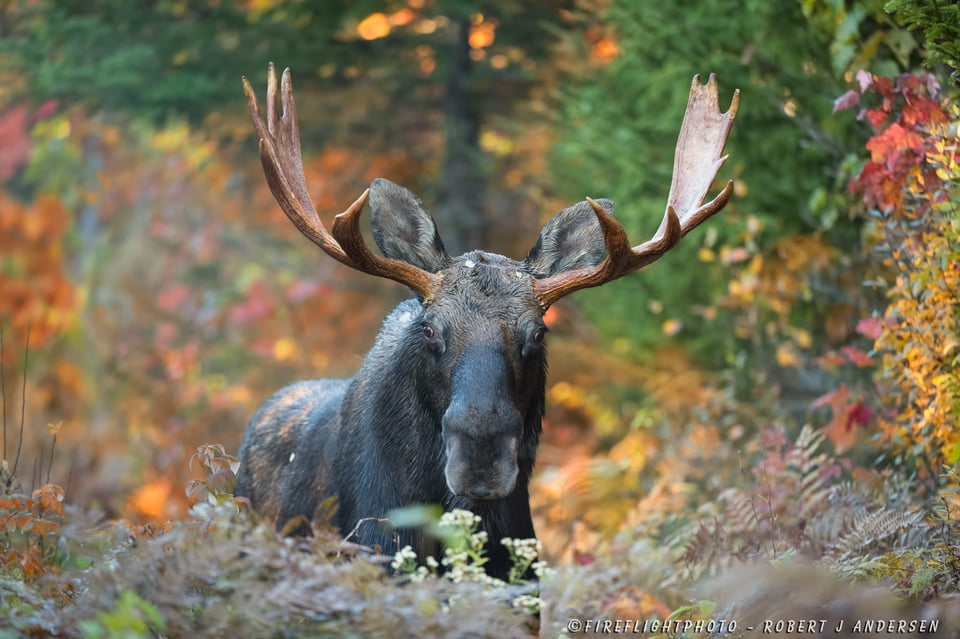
(165, 295)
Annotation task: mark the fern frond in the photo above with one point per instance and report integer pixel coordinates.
(870, 529)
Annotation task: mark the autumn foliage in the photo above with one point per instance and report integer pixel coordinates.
(31, 527)
(909, 186)
(165, 296)
(37, 291)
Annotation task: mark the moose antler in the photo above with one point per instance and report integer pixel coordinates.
(697, 160)
(283, 168)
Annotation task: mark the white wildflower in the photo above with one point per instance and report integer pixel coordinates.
(541, 570)
(460, 518)
(530, 603)
(405, 560)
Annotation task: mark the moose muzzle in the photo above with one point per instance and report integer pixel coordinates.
(481, 428)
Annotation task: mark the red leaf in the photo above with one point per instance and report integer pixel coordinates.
(173, 297)
(857, 357)
(45, 110)
(907, 83)
(300, 290)
(883, 86)
(877, 117)
(834, 398)
(923, 111)
(871, 327)
(860, 415)
(849, 99)
(14, 141)
(864, 78)
(883, 146)
(257, 305)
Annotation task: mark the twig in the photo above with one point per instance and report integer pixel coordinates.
(66, 489)
(3, 398)
(356, 529)
(365, 520)
(23, 406)
(38, 469)
(53, 447)
(773, 516)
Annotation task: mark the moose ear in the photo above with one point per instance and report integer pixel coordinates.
(572, 239)
(403, 228)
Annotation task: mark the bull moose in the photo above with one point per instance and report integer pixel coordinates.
(447, 406)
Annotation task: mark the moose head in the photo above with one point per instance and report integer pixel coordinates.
(447, 405)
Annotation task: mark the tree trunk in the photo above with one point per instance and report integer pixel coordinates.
(462, 187)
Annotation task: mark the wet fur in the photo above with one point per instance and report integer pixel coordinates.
(373, 442)
(379, 441)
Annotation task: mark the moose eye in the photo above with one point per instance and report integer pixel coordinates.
(534, 342)
(433, 340)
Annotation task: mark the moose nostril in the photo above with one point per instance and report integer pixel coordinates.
(480, 492)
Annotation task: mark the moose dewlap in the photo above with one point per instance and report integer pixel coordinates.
(447, 406)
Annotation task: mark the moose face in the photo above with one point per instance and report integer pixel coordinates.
(485, 339)
(481, 335)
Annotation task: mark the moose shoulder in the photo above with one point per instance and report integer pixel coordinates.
(447, 406)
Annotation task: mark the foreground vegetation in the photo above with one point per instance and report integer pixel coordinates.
(803, 536)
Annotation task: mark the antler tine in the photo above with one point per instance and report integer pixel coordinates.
(283, 167)
(697, 160)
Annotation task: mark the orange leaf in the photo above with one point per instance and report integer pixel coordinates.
(375, 25)
(50, 499)
(31, 562)
(840, 431)
(44, 527)
(151, 500)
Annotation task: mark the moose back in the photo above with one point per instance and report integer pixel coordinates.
(447, 406)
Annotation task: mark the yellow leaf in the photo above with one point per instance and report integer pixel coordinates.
(181, 57)
(787, 356)
(671, 327)
(949, 346)
(940, 380)
(284, 349)
(496, 143)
